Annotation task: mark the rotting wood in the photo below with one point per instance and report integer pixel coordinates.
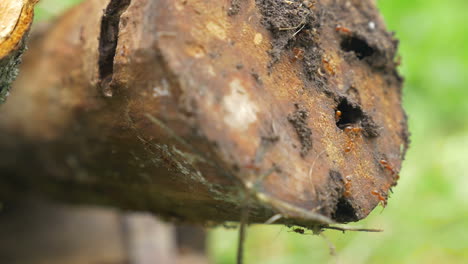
(15, 20)
(199, 102)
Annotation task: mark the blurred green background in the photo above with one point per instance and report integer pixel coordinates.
(426, 220)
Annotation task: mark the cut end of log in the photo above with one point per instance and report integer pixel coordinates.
(15, 21)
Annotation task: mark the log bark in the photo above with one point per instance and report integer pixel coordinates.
(15, 20)
(185, 108)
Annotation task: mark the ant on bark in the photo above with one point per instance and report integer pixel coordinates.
(382, 199)
(352, 133)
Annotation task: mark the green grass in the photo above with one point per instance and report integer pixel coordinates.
(426, 220)
(48, 9)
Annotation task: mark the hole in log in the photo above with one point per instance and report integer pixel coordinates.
(350, 114)
(344, 212)
(358, 46)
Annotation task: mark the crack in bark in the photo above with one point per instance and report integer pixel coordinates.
(108, 39)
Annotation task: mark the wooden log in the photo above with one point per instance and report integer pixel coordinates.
(15, 20)
(183, 107)
(38, 232)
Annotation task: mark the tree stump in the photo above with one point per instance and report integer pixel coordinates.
(185, 108)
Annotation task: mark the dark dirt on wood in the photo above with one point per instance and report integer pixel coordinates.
(234, 8)
(297, 24)
(285, 21)
(305, 26)
(298, 119)
(328, 197)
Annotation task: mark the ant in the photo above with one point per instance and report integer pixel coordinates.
(349, 129)
(338, 115)
(382, 199)
(347, 186)
(298, 54)
(389, 167)
(352, 133)
(328, 66)
(342, 29)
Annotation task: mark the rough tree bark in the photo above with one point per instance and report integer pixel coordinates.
(178, 107)
(15, 20)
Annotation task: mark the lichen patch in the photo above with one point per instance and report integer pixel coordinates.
(216, 30)
(240, 110)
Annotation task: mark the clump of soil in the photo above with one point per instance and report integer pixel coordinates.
(285, 20)
(297, 24)
(294, 25)
(371, 129)
(234, 8)
(298, 119)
